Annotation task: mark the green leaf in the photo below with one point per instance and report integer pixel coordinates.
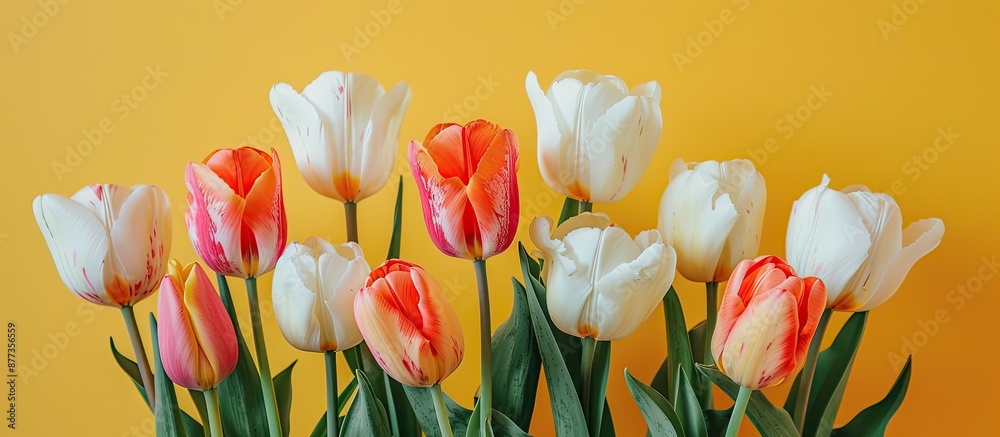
(345, 395)
(397, 223)
(167, 413)
(717, 421)
(599, 380)
(832, 370)
(567, 414)
(475, 428)
(198, 398)
(688, 407)
(607, 422)
(702, 387)
(872, 421)
(193, 428)
(696, 338)
(366, 417)
(283, 396)
(659, 415)
(320, 429)
(571, 207)
(679, 353)
(459, 416)
(769, 419)
(241, 401)
(516, 362)
(402, 411)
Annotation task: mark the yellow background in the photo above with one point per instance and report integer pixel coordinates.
(934, 67)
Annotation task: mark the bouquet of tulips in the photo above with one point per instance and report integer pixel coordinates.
(586, 283)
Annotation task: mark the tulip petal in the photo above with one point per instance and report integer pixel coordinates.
(378, 152)
(294, 297)
(214, 220)
(628, 294)
(749, 196)
(214, 332)
(182, 358)
(340, 302)
(760, 349)
(445, 204)
(493, 194)
(78, 242)
(308, 139)
(141, 240)
(812, 302)
(919, 239)
(550, 139)
(264, 216)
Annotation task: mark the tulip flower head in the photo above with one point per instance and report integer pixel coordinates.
(712, 214)
(197, 339)
(467, 180)
(313, 294)
(343, 130)
(412, 331)
(854, 240)
(595, 137)
(110, 243)
(766, 321)
(601, 283)
(235, 213)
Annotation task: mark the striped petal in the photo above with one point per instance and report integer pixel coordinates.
(313, 149)
(760, 349)
(214, 220)
(264, 218)
(78, 243)
(378, 151)
(182, 358)
(141, 240)
(493, 194)
(212, 328)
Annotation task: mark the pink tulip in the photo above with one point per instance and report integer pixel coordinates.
(412, 332)
(236, 215)
(467, 179)
(197, 340)
(767, 319)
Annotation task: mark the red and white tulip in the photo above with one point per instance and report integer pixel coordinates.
(110, 243)
(235, 211)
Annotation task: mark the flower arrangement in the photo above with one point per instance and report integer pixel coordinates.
(587, 284)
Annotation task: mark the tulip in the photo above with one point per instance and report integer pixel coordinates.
(343, 129)
(412, 331)
(235, 215)
(767, 320)
(197, 339)
(595, 137)
(600, 283)
(854, 240)
(236, 221)
(466, 176)
(313, 294)
(110, 244)
(712, 214)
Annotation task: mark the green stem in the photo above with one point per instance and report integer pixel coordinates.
(390, 404)
(586, 372)
(264, 369)
(442, 411)
(809, 370)
(214, 416)
(485, 340)
(712, 311)
(351, 214)
(586, 206)
(140, 354)
(332, 409)
(739, 410)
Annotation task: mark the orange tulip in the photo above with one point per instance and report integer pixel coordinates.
(467, 179)
(412, 332)
(766, 322)
(197, 340)
(235, 215)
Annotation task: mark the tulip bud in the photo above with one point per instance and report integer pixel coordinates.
(412, 332)
(766, 321)
(854, 241)
(197, 339)
(110, 243)
(600, 283)
(235, 215)
(467, 180)
(595, 137)
(712, 214)
(313, 294)
(343, 130)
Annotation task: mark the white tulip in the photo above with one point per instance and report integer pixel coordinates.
(595, 137)
(313, 294)
(712, 214)
(854, 241)
(110, 243)
(601, 283)
(343, 130)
